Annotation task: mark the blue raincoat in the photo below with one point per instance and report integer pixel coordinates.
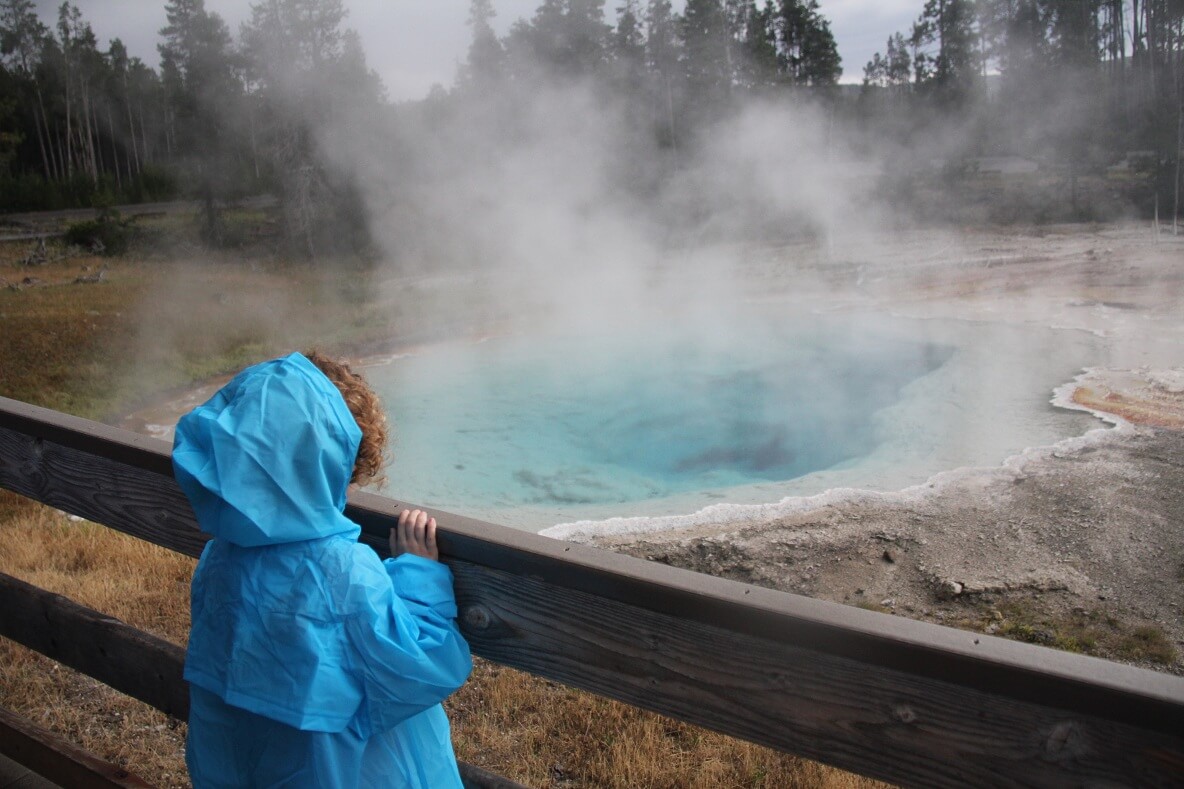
(311, 662)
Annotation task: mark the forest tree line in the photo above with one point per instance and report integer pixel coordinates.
(226, 115)
(221, 117)
(1081, 83)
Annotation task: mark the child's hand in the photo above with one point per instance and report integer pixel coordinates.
(415, 534)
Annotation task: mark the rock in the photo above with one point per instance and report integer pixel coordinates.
(948, 590)
(90, 278)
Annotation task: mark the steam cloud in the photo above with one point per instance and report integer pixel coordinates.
(562, 199)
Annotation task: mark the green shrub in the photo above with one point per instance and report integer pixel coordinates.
(1147, 643)
(107, 235)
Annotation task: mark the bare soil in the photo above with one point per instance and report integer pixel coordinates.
(1083, 549)
(1079, 546)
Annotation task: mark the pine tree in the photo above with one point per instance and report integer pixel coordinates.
(757, 36)
(662, 55)
(565, 38)
(899, 66)
(807, 52)
(629, 38)
(821, 64)
(83, 67)
(705, 40)
(892, 70)
(1075, 33)
(307, 71)
(661, 43)
(947, 58)
(23, 40)
(196, 69)
(486, 60)
(587, 34)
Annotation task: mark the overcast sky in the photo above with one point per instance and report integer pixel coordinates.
(415, 43)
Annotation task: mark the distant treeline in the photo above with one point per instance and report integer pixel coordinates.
(221, 117)
(1080, 84)
(1084, 84)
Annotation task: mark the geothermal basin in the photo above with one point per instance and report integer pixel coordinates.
(926, 356)
(935, 424)
(669, 418)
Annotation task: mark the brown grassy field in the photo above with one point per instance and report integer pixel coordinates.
(148, 325)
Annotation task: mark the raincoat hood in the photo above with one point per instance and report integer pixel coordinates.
(268, 458)
(311, 662)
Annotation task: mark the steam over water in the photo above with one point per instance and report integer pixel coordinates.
(561, 200)
(533, 431)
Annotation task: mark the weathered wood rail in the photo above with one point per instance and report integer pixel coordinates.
(57, 760)
(904, 701)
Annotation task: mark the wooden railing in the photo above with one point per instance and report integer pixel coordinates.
(904, 701)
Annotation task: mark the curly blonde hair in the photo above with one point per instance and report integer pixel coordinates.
(367, 412)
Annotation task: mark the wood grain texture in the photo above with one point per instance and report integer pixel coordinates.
(59, 760)
(115, 653)
(892, 725)
(133, 449)
(906, 701)
(974, 661)
(137, 502)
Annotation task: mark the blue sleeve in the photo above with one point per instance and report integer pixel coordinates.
(424, 585)
(408, 649)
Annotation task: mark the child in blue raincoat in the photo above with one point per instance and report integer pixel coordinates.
(311, 663)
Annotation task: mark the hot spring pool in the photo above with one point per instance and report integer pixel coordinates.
(534, 431)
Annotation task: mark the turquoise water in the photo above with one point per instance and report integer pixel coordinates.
(535, 430)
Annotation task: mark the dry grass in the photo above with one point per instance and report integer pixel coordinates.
(72, 347)
(1091, 632)
(140, 583)
(60, 337)
(93, 349)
